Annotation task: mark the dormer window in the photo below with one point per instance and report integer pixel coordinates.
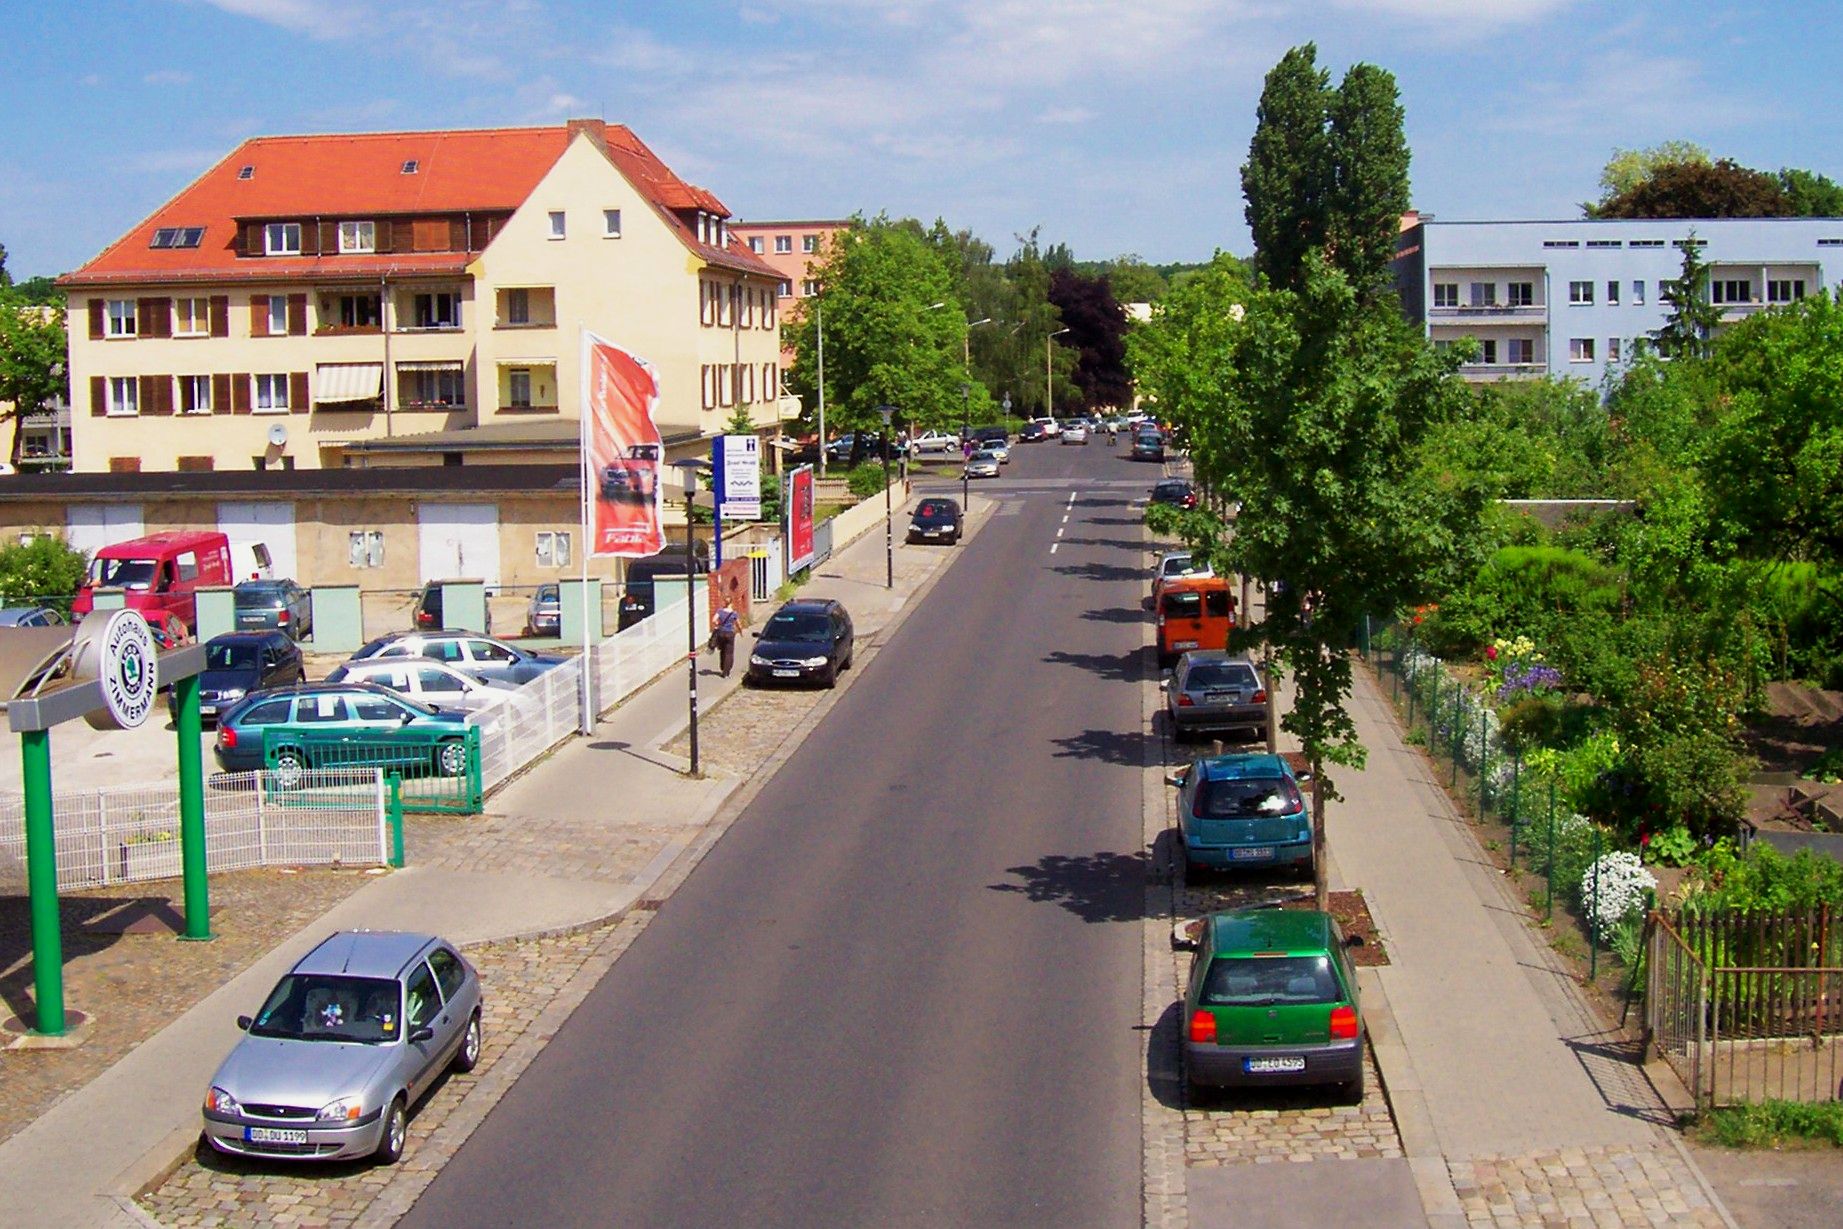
(281, 239)
(358, 237)
(246, 172)
(177, 237)
(411, 166)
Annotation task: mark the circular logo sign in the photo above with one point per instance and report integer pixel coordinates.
(127, 671)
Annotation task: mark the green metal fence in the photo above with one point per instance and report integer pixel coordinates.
(437, 770)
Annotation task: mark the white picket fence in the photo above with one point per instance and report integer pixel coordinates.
(131, 833)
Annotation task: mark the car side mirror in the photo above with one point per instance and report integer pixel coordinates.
(1353, 940)
(1187, 936)
(406, 718)
(1164, 684)
(245, 1023)
(1176, 778)
(425, 1033)
(1303, 777)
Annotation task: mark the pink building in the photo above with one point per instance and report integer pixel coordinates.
(792, 249)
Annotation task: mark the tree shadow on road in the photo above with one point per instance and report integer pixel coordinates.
(1098, 887)
(1124, 668)
(1115, 614)
(1110, 746)
(1101, 571)
(1116, 520)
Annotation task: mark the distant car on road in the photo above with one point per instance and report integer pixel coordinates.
(935, 441)
(1033, 433)
(30, 616)
(1051, 428)
(481, 656)
(1175, 565)
(544, 616)
(936, 520)
(1210, 690)
(279, 604)
(344, 1045)
(1075, 433)
(238, 664)
(1148, 446)
(1177, 492)
(999, 449)
(982, 464)
(803, 642)
(1237, 811)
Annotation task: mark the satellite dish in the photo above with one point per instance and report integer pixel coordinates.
(278, 435)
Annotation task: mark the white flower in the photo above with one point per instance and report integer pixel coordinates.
(1623, 887)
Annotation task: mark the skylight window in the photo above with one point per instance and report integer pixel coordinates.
(248, 172)
(177, 237)
(411, 166)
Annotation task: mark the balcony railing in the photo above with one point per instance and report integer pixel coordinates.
(1491, 311)
(1502, 371)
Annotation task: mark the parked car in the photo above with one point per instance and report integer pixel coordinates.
(1075, 433)
(839, 450)
(1210, 690)
(638, 599)
(1033, 433)
(985, 436)
(1272, 1000)
(159, 574)
(1240, 811)
(1178, 492)
(428, 609)
(344, 1045)
(1192, 612)
(935, 441)
(936, 520)
(30, 616)
(481, 656)
(1176, 565)
(544, 616)
(1148, 446)
(339, 712)
(982, 464)
(433, 683)
(999, 449)
(803, 642)
(239, 663)
(1051, 428)
(280, 604)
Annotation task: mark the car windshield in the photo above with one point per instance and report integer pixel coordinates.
(1178, 565)
(801, 628)
(1247, 798)
(257, 596)
(1219, 674)
(230, 656)
(1270, 981)
(933, 508)
(122, 573)
(331, 1007)
(1183, 605)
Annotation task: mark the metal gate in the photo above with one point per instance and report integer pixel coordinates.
(439, 769)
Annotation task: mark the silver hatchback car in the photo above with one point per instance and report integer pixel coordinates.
(1211, 691)
(343, 1047)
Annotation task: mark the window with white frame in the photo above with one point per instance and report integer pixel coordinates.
(124, 396)
(1580, 293)
(783, 244)
(518, 387)
(195, 395)
(1446, 294)
(271, 393)
(1484, 294)
(809, 244)
(1785, 290)
(726, 299)
(809, 287)
(755, 244)
(553, 549)
(1580, 349)
(1521, 294)
(1612, 290)
(121, 318)
(1612, 349)
(1731, 290)
(1638, 291)
(278, 315)
(558, 226)
(611, 223)
(358, 236)
(360, 311)
(282, 239)
(1520, 351)
(787, 287)
(365, 548)
(191, 317)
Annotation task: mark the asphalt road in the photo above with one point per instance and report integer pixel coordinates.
(905, 985)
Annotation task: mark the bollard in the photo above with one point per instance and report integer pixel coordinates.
(396, 821)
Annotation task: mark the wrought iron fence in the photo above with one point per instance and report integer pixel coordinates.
(439, 769)
(1748, 1006)
(131, 833)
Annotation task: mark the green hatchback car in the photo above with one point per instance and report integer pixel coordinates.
(1273, 1001)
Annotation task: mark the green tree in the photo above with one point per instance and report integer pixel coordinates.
(1288, 175)
(6, 279)
(1721, 189)
(1693, 318)
(42, 572)
(1810, 195)
(1028, 341)
(1133, 280)
(1628, 168)
(34, 362)
(1369, 160)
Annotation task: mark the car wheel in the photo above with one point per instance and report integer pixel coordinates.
(290, 767)
(468, 1056)
(1350, 1092)
(451, 758)
(396, 1132)
(831, 678)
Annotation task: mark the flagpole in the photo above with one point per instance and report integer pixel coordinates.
(586, 721)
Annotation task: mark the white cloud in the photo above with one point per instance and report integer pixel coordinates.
(1470, 13)
(316, 17)
(168, 76)
(565, 104)
(1647, 97)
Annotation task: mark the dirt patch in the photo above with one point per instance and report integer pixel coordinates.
(1352, 914)
(1798, 725)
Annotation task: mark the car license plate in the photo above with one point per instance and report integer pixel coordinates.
(1183, 644)
(1253, 853)
(274, 1135)
(1219, 697)
(786, 674)
(207, 710)
(1290, 1062)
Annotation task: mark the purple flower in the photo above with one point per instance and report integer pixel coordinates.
(1520, 679)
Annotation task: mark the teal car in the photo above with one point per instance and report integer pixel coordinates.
(1272, 1000)
(340, 725)
(1238, 811)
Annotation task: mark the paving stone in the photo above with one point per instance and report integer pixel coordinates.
(1595, 1188)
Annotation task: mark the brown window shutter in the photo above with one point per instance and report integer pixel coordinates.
(259, 315)
(252, 238)
(310, 239)
(154, 317)
(195, 464)
(99, 397)
(297, 392)
(124, 465)
(381, 234)
(240, 394)
(297, 315)
(148, 402)
(97, 308)
(220, 393)
(457, 234)
(220, 315)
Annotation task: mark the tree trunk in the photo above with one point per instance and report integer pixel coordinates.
(1321, 887)
(18, 438)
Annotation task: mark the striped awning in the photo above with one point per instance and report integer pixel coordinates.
(527, 362)
(440, 364)
(335, 382)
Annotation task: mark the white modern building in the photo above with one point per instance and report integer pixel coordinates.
(1568, 298)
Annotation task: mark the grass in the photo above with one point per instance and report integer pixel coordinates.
(1771, 1124)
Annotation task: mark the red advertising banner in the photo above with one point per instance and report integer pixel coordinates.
(799, 518)
(622, 451)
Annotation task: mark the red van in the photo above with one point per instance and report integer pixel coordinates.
(160, 574)
(1194, 612)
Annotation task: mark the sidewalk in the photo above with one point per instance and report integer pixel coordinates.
(578, 839)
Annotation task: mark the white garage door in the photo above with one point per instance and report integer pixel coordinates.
(94, 526)
(459, 541)
(271, 524)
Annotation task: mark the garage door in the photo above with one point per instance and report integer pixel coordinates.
(271, 524)
(459, 541)
(94, 526)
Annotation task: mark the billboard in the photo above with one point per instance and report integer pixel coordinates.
(737, 461)
(622, 451)
(799, 518)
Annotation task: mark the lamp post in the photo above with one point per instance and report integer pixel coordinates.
(819, 323)
(688, 470)
(1049, 400)
(886, 412)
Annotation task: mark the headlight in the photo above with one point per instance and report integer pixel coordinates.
(756, 659)
(232, 693)
(813, 661)
(346, 1109)
(217, 1101)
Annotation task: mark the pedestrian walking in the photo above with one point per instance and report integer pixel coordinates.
(723, 636)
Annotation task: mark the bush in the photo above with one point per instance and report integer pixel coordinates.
(1770, 1123)
(42, 572)
(1622, 889)
(866, 480)
(1528, 590)
(1763, 879)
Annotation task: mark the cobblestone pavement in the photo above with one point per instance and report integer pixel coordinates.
(747, 726)
(135, 984)
(1289, 1125)
(1598, 1187)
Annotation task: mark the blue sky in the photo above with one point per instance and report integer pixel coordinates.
(1117, 127)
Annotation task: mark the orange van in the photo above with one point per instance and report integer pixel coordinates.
(1194, 612)
(159, 574)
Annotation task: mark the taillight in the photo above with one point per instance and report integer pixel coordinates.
(1203, 1026)
(282, 618)
(1343, 1023)
(1260, 697)
(227, 737)
(1184, 700)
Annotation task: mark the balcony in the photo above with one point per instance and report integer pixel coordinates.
(1502, 371)
(1494, 312)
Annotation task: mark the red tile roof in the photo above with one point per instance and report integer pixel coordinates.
(360, 175)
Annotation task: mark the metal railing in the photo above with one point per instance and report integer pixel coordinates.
(439, 769)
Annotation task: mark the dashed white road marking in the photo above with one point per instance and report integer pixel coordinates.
(1053, 546)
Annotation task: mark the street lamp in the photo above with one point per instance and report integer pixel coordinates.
(886, 412)
(1049, 400)
(966, 407)
(689, 472)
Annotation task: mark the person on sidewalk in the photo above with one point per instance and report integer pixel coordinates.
(723, 635)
